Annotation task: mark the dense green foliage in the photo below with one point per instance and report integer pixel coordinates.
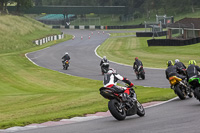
(138, 8)
(135, 8)
(20, 4)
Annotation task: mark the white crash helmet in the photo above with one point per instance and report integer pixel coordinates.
(66, 52)
(177, 60)
(111, 70)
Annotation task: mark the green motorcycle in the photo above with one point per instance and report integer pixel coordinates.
(195, 85)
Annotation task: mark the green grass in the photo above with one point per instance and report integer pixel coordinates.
(33, 94)
(125, 49)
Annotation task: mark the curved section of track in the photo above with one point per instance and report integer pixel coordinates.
(173, 117)
(85, 63)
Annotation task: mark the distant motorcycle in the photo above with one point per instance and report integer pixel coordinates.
(140, 73)
(180, 87)
(120, 109)
(195, 85)
(65, 64)
(104, 67)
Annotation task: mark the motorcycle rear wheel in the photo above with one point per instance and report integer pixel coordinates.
(65, 67)
(179, 92)
(197, 93)
(140, 109)
(143, 76)
(114, 107)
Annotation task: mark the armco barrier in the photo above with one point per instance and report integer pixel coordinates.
(92, 27)
(71, 27)
(82, 27)
(76, 27)
(103, 27)
(172, 42)
(48, 39)
(97, 27)
(87, 27)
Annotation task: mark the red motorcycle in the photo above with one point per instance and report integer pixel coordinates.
(140, 73)
(120, 109)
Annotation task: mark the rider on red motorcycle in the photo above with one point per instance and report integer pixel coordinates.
(173, 70)
(179, 64)
(110, 81)
(137, 64)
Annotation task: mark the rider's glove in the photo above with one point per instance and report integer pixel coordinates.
(131, 85)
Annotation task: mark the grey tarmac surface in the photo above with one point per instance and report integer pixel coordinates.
(172, 117)
(85, 63)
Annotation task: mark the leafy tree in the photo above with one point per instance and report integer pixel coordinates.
(23, 4)
(38, 2)
(3, 5)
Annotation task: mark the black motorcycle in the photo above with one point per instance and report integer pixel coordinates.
(65, 64)
(140, 73)
(120, 109)
(104, 67)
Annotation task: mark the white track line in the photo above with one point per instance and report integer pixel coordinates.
(95, 51)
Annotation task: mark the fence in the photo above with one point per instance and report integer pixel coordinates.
(48, 39)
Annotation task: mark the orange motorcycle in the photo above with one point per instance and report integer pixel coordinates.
(180, 87)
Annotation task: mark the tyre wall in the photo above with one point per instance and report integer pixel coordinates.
(150, 34)
(172, 42)
(98, 27)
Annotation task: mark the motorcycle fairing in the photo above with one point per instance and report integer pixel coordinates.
(174, 80)
(108, 93)
(194, 81)
(67, 62)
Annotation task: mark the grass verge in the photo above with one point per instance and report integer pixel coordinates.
(125, 49)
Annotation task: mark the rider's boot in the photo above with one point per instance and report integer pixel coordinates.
(134, 97)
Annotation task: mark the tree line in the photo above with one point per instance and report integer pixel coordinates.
(171, 7)
(18, 3)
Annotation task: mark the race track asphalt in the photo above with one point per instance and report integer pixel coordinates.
(84, 62)
(177, 116)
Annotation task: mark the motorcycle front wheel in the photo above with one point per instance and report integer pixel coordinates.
(140, 109)
(138, 76)
(115, 109)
